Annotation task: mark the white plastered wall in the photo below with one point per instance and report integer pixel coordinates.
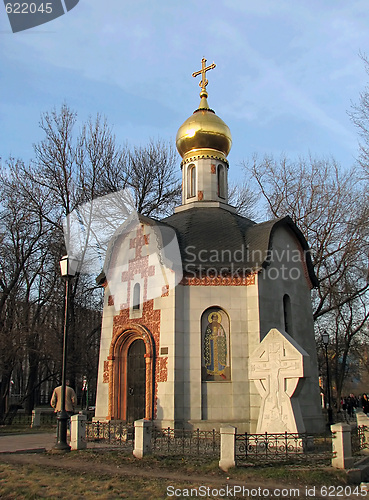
(165, 390)
(155, 289)
(206, 181)
(272, 287)
(211, 404)
(102, 393)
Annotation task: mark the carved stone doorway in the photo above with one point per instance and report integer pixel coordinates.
(131, 383)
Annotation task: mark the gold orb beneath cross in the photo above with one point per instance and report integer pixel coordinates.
(203, 131)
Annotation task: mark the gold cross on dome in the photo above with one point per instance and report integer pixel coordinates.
(202, 72)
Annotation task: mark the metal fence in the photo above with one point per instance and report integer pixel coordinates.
(360, 439)
(164, 442)
(112, 433)
(257, 448)
(23, 420)
(183, 442)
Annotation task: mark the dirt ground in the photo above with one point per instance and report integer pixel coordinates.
(84, 465)
(79, 464)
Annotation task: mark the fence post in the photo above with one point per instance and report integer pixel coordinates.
(361, 418)
(36, 417)
(341, 446)
(78, 432)
(142, 438)
(227, 447)
(362, 421)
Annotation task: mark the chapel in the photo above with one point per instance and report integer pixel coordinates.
(189, 301)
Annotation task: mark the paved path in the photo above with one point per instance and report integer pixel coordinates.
(18, 443)
(39, 442)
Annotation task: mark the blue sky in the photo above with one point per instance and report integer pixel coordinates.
(286, 72)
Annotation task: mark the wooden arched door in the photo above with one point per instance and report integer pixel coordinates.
(136, 381)
(131, 382)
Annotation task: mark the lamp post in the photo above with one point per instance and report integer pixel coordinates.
(325, 339)
(68, 268)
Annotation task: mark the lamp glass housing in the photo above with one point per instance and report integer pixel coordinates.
(68, 266)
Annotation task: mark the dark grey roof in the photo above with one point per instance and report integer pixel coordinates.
(260, 237)
(217, 239)
(207, 231)
(214, 238)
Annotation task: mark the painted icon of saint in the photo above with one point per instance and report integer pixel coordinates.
(215, 346)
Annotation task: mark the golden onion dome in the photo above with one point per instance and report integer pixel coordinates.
(203, 134)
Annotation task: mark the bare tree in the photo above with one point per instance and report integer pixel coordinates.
(359, 115)
(243, 198)
(327, 205)
(77, 167)
(151, 172)
(69, 167)
(23, 248)
(73, 165)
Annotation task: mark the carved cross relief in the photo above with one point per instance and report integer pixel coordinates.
(276, 366)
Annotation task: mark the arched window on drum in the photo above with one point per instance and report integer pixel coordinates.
(191, 181)
(221, 181)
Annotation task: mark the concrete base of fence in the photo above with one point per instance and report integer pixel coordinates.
(78, 432)
(227, 447)
(341, 446)
(361, 414)
(354, 476)
(143, 430)
(360, 473)
(36, 417)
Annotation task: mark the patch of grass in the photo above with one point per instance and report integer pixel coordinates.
(60, 479)
(307, 476)
(191, 465)
(315, 476)
(31, 482)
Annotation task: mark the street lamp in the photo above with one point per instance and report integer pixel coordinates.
(68, 268)
(325, 339)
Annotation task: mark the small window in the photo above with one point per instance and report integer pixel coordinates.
(221, 182)
(191, 181)
(287, 314)
(136, 297)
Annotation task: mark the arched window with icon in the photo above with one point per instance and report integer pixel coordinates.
(215, 345)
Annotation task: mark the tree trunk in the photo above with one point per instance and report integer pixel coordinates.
(4, 394)
(29, 402)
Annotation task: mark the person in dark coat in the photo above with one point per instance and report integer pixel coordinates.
(365, 403)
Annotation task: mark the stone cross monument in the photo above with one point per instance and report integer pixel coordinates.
(277, 366)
